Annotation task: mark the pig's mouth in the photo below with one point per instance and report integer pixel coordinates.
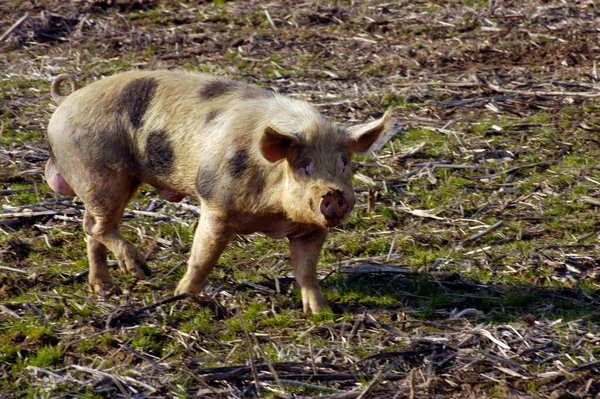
(333, 222)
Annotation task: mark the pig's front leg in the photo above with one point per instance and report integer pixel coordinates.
(210, 239)
(305, 253)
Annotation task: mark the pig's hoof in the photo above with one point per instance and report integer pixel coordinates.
(315, 307)
(105, 289)
(187, 289)
(313, 301)
(134, 265)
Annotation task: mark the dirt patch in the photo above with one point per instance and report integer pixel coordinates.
(469, 268)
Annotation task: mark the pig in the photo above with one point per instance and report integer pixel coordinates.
(256, 160)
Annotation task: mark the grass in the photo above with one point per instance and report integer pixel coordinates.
(532, 281)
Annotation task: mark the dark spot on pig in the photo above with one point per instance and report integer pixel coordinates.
(211, 116)
(135, 98)
(109, 148)
(206, 183)
(238, 164)
(159, 152)
(216, 88)
(253, 92)
(258, 183)
(78, 142)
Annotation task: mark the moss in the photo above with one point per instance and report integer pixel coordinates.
(201, 319)
(46, 356)
(324, 317)
(11, 136)
(150, 340)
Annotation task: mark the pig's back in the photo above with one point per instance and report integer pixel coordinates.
(165, 126)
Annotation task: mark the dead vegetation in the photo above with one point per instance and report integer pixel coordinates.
(469, 269)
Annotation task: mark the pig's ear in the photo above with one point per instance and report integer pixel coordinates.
(361, 137)
(275, 145)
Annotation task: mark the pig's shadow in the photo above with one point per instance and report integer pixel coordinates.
(439, 295)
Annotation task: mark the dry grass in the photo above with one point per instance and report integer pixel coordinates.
(469, 269)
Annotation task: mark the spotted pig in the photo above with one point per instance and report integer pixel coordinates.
(257, 161)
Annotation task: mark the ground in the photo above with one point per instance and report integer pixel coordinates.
(469, 268)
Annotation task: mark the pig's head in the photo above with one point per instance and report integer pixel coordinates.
(315, 156)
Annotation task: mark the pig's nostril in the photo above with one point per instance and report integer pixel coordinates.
(334, 206)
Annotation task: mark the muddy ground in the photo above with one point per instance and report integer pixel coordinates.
(470, 267)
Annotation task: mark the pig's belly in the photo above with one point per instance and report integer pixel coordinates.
(277, 226)
(170, 195)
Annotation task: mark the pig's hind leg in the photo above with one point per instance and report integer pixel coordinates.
(304, 252)
(105, 200)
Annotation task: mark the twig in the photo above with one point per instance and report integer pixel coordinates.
(365, 259)
(195, 209)
(111, 376)
(12, 269)
(311, 377)
(438, 83)
(251, 355)
(9, 312)
(13, 27)
(474, 101)
(120, 386)
(433, 165)
(537, 348)
(516, 169)
(366, 268)
(428, 323)
(570, 246)
(343, 395)
(449, 165)
(489, 230)
(55, 376)
(412, 385)
(386, 137)
(373, 383)
(311, 386)
(278, 292)
(123, 313)
(162, 302)
(12, 215)
(489, 336)
(270, 19)
(151, 214)
(312, 357)
(544, 93)
(142, 356)
(9, 192)
(585, 366)
(230, 371)
(71, 343)
(510, 363)
(269, 364)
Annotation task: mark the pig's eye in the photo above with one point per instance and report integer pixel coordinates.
(306, 168)
(342, 163)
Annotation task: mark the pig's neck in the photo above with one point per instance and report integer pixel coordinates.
(274, 226)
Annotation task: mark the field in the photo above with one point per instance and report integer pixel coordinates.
(470, 267)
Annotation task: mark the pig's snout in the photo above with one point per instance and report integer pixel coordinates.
(334, 207)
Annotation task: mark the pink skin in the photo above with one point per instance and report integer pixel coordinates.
(170, 195)
(56, 181)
